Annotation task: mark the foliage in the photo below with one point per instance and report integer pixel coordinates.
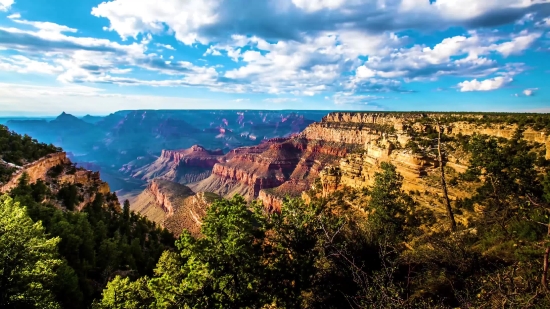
(95, 244)
(28, 257)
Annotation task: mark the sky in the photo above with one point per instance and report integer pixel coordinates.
(97, 57)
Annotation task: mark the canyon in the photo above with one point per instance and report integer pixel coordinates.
(345, 150)
(121, 144)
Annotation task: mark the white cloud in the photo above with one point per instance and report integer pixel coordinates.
(6, 4)
(316, 5)
(529, 92)
(129, 18)
(22, 64)
(349, 98)
(293, 47)
(46, 27)
(205, 21)
(14, 16)
(518, 44)
(84, 59)
(484, 85)
(167, 46)
(240, 100)
(363, 72)
(280, 100)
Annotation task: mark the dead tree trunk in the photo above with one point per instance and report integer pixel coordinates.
(444, 183)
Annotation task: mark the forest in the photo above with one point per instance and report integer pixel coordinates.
(368, 248)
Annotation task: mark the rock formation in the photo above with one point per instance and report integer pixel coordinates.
(287, 166)
(88, 183)
(352, 145)
(36, 170)
(385, 138)
(181, 166)
(173, 206)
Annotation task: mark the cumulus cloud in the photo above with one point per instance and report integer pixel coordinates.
(484, 85)
(6, 4)
(205, 21)
(518, 44)
(347, 50)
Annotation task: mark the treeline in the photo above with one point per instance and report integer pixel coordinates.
(19, 150)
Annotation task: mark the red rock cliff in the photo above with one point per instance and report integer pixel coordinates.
(182, 166)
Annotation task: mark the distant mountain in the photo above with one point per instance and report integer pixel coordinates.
(91, 119)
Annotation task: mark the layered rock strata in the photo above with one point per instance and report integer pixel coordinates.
(287, 166)
(173, 206)
(181, 166)
(353, 145)
(385, 138)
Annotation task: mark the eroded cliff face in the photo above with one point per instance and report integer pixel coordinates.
(273, 169)
(385, 138)
(173, 206)
(181, 166)
(353, 143)
(36, 170)
(88, 183)
(190, 214)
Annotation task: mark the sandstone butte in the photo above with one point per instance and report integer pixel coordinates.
(38, 170)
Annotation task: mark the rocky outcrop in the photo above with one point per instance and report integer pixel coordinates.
(173, 206)
(182, 166)
(36, 170)
(288, 166)
(57, 170)
(189, 215)
(86, 178)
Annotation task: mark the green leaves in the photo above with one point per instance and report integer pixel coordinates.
(28, 258)
(389, 205)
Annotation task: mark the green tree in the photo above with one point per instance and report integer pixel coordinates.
(389, 205)
(223, 269)
(122, 293)
(28, 258)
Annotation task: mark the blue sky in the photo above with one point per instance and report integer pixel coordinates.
(98, 57)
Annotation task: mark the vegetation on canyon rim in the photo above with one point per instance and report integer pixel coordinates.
(368, 248)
